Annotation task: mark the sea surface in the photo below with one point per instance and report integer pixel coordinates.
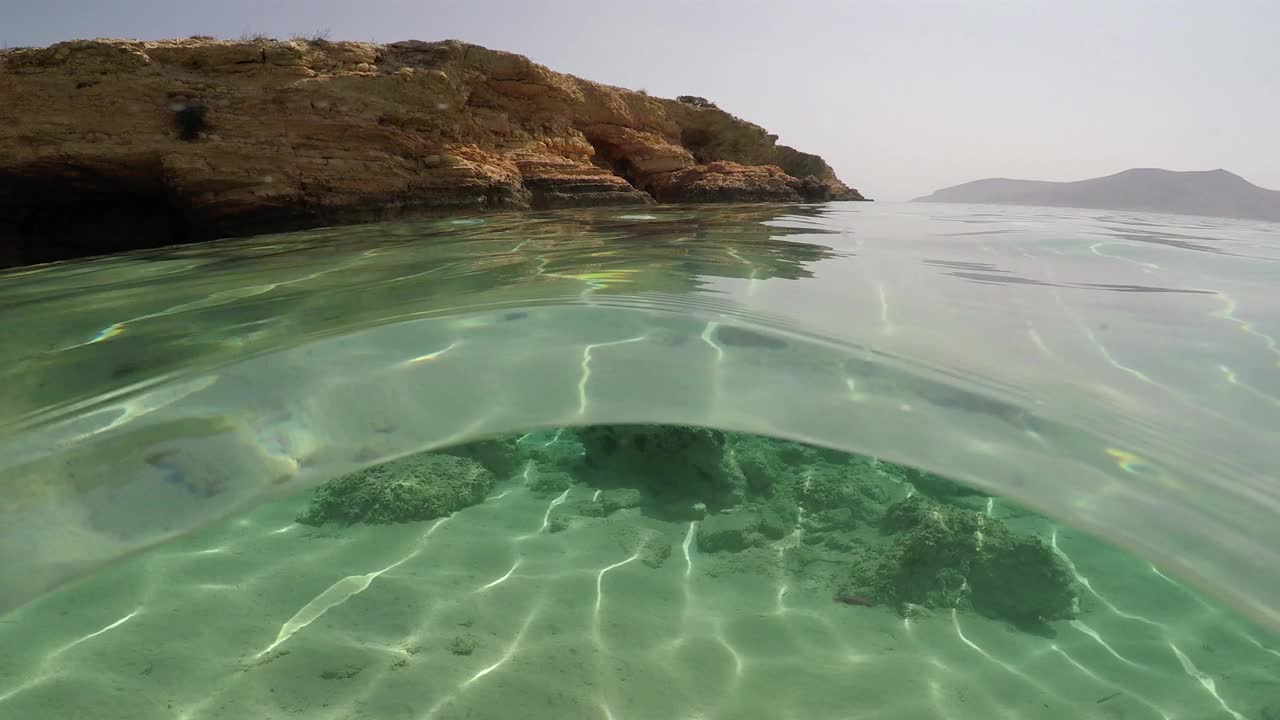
(1108, 382)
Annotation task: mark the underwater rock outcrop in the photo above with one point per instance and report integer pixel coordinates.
(111, 145)
(900, 549)
(674, 466)
(856, 525)
(500, 456)
(944, 556)
(644, 543)
(420, 487)
(552, 481)
(851, 487)
(730, 531)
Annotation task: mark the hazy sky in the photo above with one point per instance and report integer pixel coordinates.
(902, 97)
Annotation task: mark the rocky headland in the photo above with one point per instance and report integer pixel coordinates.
(111, 145)
(1212, 193)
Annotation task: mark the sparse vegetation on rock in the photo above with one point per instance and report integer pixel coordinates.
(696, 101)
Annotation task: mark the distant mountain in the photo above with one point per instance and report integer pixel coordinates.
(1211, 192)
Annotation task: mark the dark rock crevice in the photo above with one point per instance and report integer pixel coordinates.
(78, 212)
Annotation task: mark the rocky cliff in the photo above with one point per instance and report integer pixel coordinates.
(109, 145)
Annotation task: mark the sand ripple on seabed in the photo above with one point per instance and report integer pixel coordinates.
(487, 614)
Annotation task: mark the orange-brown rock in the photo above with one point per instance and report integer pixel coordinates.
(110, 145)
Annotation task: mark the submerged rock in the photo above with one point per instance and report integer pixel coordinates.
(612, 501)
(562, 451)
(912, 611)
(606, 503)
(421, 487)
(944, 556)
(645, 543)
(760, 461)
(673, 464)
(850, 486)
(551, 481)
(500, 456)
(777, 518)
(585, 508)
(729, 532)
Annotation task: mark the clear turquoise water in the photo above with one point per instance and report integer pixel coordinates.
(163, 414)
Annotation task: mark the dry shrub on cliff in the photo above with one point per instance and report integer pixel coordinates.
(318, 37)
(696, 101)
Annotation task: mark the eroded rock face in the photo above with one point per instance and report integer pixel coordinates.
(108, 145)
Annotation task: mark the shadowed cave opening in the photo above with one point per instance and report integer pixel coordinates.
(80, 212)
(622, 168)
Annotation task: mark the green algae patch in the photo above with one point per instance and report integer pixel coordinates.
(420, 487)
(463, 644)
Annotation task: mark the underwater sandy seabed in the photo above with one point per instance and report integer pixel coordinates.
(497, 611)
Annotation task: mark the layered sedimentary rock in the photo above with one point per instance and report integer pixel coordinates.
(114, 144)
